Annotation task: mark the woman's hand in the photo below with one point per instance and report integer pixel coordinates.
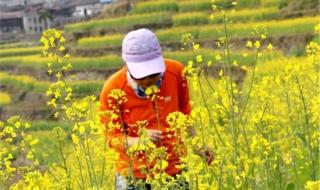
(154, 135)
(206, 153)
(132, 141)
(209, 155)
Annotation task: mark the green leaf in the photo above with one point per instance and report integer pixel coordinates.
(290, 186)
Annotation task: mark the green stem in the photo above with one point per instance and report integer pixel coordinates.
(132, 177)
(253, 165)
(219, 99)
(296, 173)
(79, 184)
(88, 150)
(81, 173)
(65, 167)
(220, 176)
(155, 107)
(255, 61)
(313, 167)
(203, 142)
(279, 173)
(79, 164)
(231, 91)
(208, 110)
(91, 162)
(103, 162)
(88, 165)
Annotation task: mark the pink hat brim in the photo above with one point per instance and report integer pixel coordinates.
(145, 68)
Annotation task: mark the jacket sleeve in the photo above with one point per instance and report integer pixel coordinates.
(110, 120)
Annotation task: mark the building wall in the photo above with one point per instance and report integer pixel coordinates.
(14, 25)
(87, 10)
(40, 1)
(10, 3)
(61, 21)
(34, 25)
(31, 23)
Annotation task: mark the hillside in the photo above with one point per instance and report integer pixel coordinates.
(95, 45)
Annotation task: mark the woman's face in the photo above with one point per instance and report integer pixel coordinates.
(147, 81)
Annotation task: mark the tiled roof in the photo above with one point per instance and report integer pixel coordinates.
(11, 15)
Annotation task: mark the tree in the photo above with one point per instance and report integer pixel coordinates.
(45, 15)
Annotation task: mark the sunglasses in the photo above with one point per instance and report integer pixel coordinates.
(149, 76)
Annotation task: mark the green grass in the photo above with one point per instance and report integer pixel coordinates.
(49, 145)
(96, 62)
(103, 62)
(27, 83)
(23, 82)
(81, 88)
(205, 5)
(209, 55)
(270, 3)
(243, 15)
(19, 45)
(87, 87)
(316, 39)
(192, 18)
(42, 125)
(275, 67)
(20, 51)
(158, 15)
(121, 23)
(77, 62)
(274, 28)
(155, 6)
(164, 36)
(247, 15)
(10, 45)
(5, 98)
(190, 6)
(33, 61)
(97, 42)
(167, 35)
(248, 3)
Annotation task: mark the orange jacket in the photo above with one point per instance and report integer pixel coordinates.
(175, 93)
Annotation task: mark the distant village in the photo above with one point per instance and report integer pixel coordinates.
(32, 17)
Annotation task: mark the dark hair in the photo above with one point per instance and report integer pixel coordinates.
(153, 75)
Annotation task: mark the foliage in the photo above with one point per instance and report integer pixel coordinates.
(39, 62)
(189, 6)
(27, 83)
(42, 125)
(276, 28)
(247, 15)
(98, 41)
(155, 6)
(194, 18)
(205, 5)
(20, 51)
(120, 24)
(264, 132)
(5, 98)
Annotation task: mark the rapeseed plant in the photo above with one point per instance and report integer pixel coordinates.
(264, 132)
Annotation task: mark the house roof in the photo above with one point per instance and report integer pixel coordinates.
(85, 2)
(11, 15)
(20, 11)
(11, 8)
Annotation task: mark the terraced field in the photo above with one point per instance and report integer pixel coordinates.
(170, 21)
(94, 49)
